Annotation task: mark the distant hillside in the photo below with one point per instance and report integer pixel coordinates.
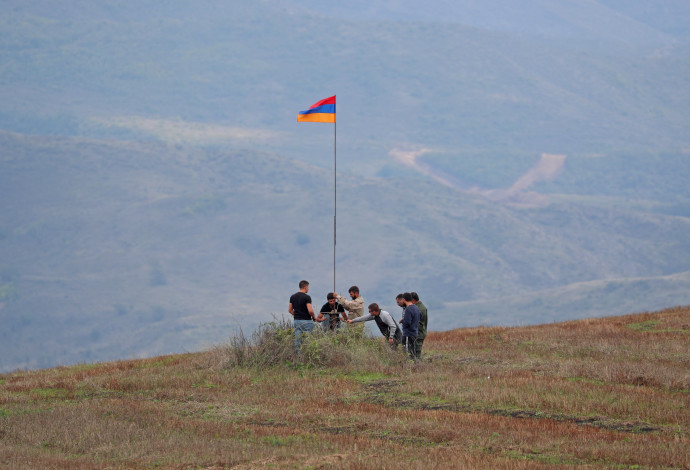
(671, 17)
(609, 393)
(120, 249)
(617, 22)
(490, 75)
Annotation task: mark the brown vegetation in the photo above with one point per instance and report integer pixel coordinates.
(610, 392)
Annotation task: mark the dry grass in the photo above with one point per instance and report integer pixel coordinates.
(604, 393)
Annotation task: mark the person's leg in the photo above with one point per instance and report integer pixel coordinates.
(301, 327)
(406, 344)
(411, 346)
(418, 349)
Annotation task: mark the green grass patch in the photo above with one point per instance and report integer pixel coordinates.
(652, 326)
(205, 384)
(586, 380)
(647, 325)
(48, 393)
(280, 441)
(551, 459)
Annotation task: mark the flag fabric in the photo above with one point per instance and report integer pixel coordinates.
(323, 111)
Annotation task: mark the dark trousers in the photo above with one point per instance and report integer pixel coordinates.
(410, 345)
(420, 342)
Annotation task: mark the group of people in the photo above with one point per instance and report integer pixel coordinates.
(410, 331)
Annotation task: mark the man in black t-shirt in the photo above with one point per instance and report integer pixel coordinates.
(331, 312)
(300, 308)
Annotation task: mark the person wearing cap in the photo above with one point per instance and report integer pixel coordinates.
(387, 326)
(331, 312)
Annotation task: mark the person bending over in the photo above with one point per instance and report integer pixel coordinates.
(389, 329)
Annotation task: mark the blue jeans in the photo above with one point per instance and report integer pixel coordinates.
(301, 327)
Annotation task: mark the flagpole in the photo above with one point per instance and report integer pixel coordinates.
(324, 111)
(335, 198)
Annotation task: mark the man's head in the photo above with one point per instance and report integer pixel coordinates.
(331, 299)
(304, 286)
(399, 300)
(407, 298)
(354, 292)
(374, 309)
(415, 297)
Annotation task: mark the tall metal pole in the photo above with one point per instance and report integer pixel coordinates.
(335, 198)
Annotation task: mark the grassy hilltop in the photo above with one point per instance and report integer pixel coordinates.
(595, 393)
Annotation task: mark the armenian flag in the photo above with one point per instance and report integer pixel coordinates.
(322, 111)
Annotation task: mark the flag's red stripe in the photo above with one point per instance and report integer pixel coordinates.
(330, 100)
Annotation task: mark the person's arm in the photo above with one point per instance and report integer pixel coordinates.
(348, 304)
(311, 312)
(291, 311)
(342, 312)
(362, 318)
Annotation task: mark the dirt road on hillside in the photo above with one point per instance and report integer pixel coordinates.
(547, 168)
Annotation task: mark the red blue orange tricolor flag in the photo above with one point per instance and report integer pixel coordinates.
(322, 111)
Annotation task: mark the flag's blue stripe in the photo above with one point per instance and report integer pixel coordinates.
(324, 108)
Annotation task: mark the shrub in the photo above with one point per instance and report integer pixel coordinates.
(272, 344)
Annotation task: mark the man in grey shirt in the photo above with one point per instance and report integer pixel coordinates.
(389, 329)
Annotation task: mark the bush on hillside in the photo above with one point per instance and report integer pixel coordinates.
(272, 344)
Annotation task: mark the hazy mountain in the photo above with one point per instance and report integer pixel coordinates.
(118, 249)
(88, 69)
(638, 23)
(513, 162)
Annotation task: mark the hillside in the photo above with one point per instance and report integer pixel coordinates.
(459, 76)
(114, 250)
(595, 393)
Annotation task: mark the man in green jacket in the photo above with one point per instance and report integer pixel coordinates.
(423, 320)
